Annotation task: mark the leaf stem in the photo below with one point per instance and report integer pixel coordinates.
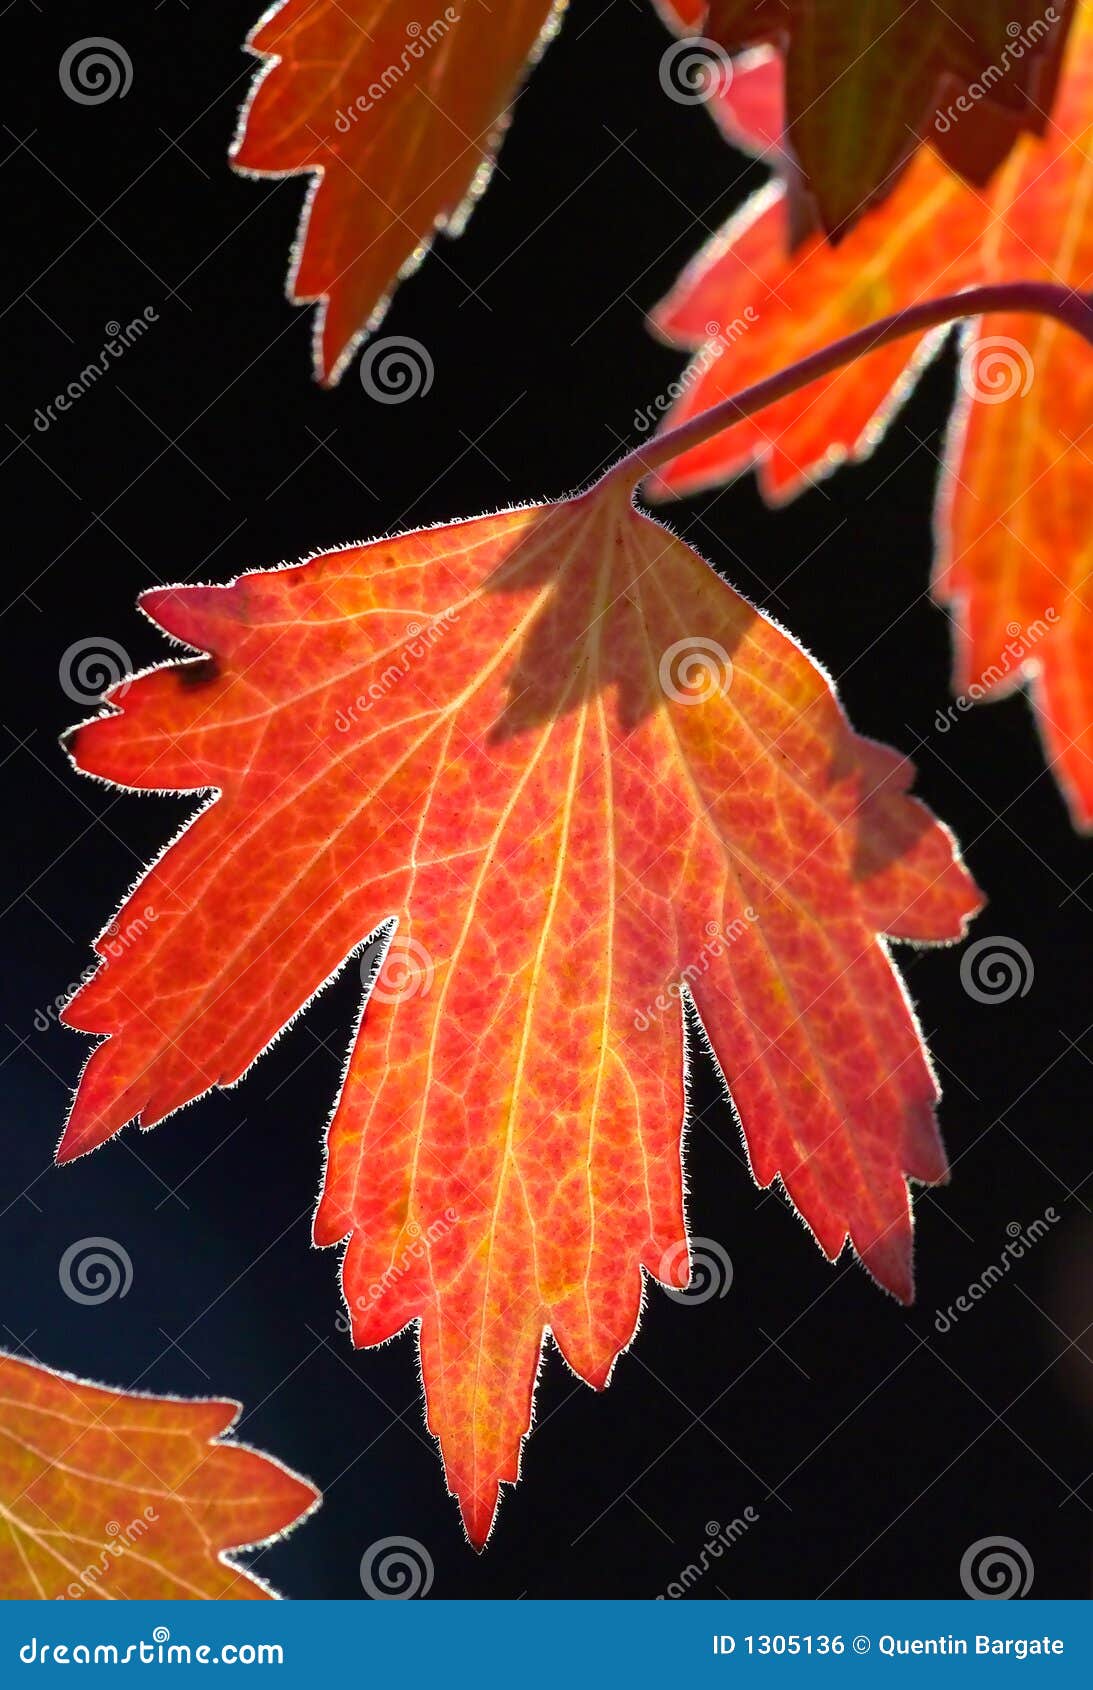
(1075, 310)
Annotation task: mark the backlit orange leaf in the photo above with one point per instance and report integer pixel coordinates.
(867, 81)
(1014, 554)
(112, 1495)
(585, 778)
(399, 121)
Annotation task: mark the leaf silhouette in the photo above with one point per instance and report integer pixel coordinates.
(568, 778)
(116, 1496)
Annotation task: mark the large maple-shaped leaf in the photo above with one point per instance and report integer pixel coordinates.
(1014, 554)
(117, 1496)
(575, 767)
(866, 81)
(398, 120)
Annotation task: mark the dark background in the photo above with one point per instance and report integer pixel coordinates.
(874, 1449)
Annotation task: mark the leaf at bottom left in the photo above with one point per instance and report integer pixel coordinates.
(114, 1495)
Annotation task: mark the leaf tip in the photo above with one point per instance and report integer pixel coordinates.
(478, 1513)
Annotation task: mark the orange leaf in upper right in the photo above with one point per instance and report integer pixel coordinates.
(1014, 550)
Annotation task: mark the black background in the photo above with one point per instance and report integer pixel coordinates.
(874, 1449)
